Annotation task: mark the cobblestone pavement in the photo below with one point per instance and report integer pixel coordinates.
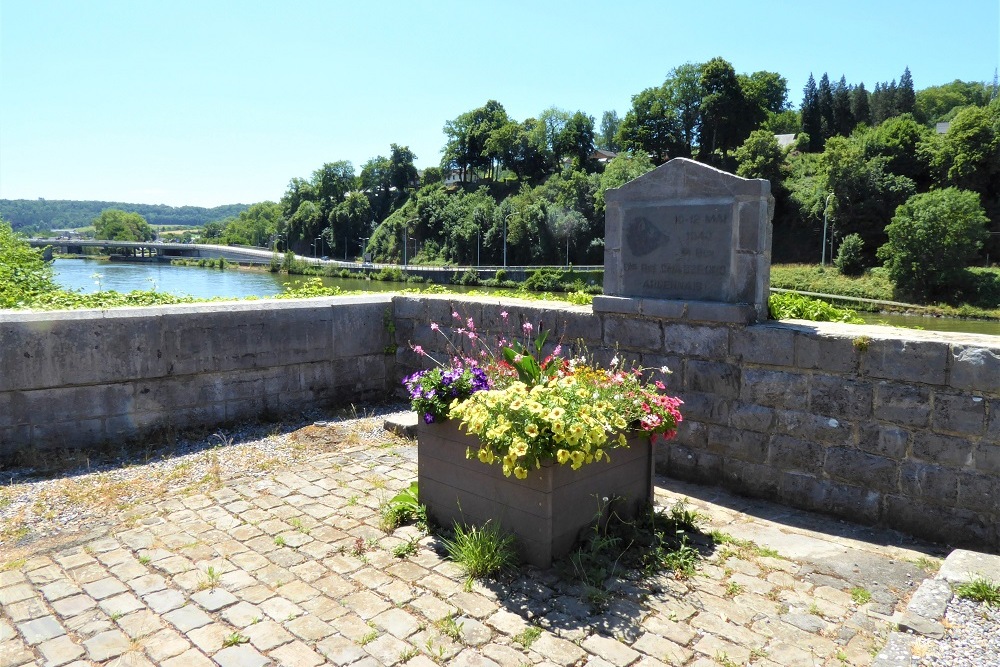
(292, 568)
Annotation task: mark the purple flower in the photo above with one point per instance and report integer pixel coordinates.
(428, 418)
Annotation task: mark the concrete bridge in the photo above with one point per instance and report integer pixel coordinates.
(160, 250)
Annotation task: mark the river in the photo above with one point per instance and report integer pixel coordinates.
(204, 283)
(87, 275)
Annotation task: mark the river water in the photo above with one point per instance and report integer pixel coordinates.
(204, 283)
(89, 276)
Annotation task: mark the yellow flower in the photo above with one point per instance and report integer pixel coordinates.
(520, 472)
(558, 427)
(578, 458)
(519, 448)
(531, 430)
(562, 456)
(555, 414)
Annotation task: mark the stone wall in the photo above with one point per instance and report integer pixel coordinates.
(879, 425)
(885, 426)
(89, 378)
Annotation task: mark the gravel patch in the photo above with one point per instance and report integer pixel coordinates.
(36, 507)
(972, 638)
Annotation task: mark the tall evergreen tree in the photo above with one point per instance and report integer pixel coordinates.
(906, 97)
(843, 119)
(860, 109)
(812, 123)
(825, 104)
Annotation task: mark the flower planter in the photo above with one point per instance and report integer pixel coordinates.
(545, 512)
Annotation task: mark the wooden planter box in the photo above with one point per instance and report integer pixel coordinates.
(545, 512)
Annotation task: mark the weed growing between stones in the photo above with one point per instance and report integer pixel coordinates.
(403, 508)
(980, 589)
(481, 551)
(656, 542)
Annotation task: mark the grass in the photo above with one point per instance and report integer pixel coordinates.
(210, 580)
(980, 589)
(861, 595)
(482, 551)
(527, 636)
(450, 628)
(408, 548)
(235, 639)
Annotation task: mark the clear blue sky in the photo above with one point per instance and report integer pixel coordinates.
(208, 102)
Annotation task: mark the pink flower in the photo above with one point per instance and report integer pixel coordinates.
(660, 385)
(471, 324)
(527, 327)
(419, 350)
(503, 314)
(557, 351)
(434, 326)
(456, 315)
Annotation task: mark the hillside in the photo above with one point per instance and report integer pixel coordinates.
(37, 215)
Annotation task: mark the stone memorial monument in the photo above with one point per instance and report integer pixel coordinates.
(688, 241)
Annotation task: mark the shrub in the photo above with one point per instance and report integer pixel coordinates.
(850, 256)
(24, 274)
(932, 239)
(545, 280)
(790, 305)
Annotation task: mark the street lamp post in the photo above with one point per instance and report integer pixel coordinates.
(363, 240)
(505, 219)
(318, 238)
(822, 261)
(478, 245)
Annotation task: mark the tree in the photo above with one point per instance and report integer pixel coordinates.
(576, 140)
(402, 173)
(377, 185)
(812, 121)
(723, 109)
(255, 226)
(651, 126)
(969, 156)
(349, 223)
(898, 139)
(939, 103)
(932, 239)
(760, 156)
(905, 96)
(843, 120)
(850, 256)
(824, 101)
(607, 139)
(883, 102)
(24, 273)
(116, 225)
(683, 89)
(860, 108)
(622, 169)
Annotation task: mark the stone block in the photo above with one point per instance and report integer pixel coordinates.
(694, 465)
(753, 479)
(993, 422)
(987, 457)
(663, 309)
(884, 440)
(975, 368)
(841, 397)
(737, 444)
(805, 491)
(621, 305)
(409, 308)
(792, 454)
(942, 449)
(764, 344)
(959, 413)
(980, 492)
(633, 334)
(812, 427)
(907, 360)
(904, 404)
(857, 503)
(827, 352)
(674, 380)
(752, 417)
(705, 408)
(933, 483)
(721, 313)
(712, 377)
(872, 472)
(952, 526)
(359, 330)
(696, 341)
(776, 389)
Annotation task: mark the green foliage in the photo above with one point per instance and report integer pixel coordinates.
(482, 551)
(760, 157)
(117, 225)
(980, 589)
(932, 238)
(45, 214)
(789, 305)
(255, 226)
(850, 259)
(24, 274)
(403, 508)
(313, 287)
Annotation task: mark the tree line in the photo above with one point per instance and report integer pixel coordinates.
(33, 216)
